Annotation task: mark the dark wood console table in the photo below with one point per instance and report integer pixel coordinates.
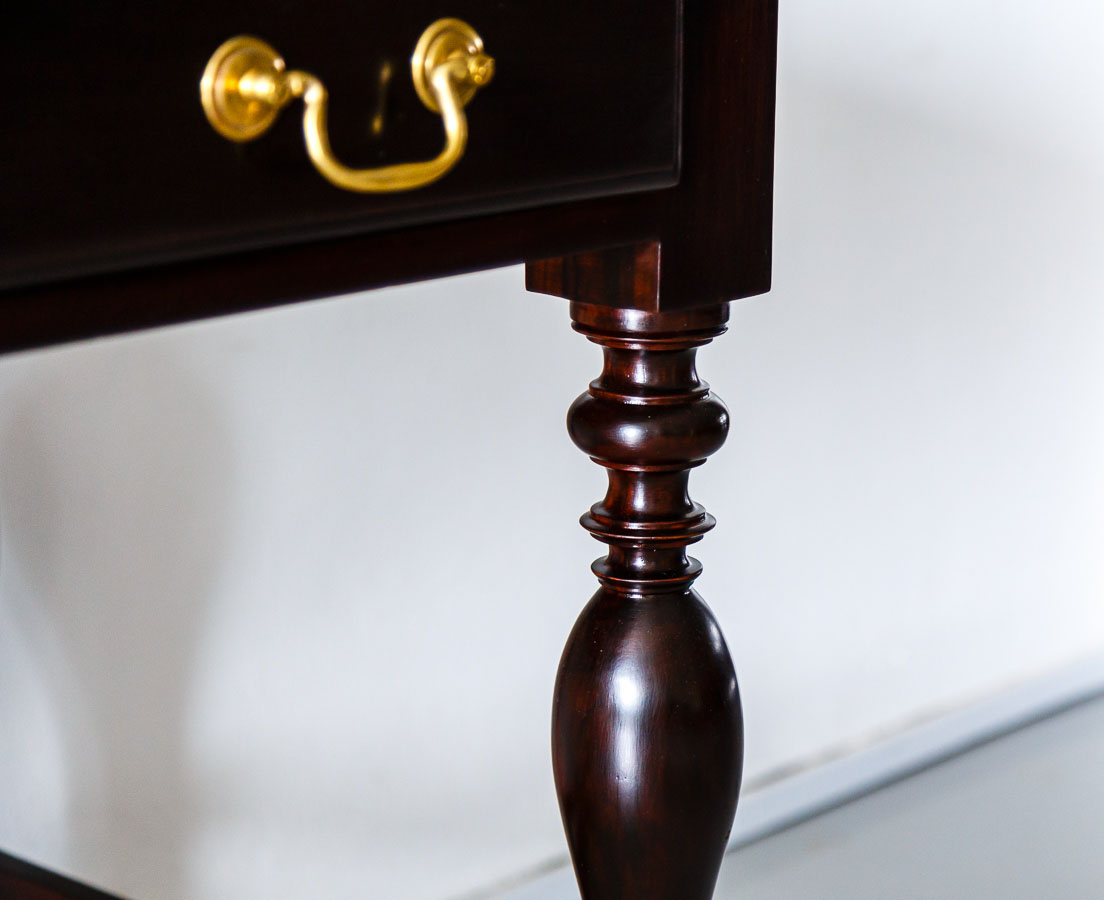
(622, 150)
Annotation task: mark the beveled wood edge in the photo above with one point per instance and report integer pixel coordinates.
(171, 294)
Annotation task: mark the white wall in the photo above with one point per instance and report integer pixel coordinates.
(281, 597)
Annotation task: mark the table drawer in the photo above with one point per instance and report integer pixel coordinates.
(110, 162)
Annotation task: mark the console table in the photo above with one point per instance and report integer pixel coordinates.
(166, 165)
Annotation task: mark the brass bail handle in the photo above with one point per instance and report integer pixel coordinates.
(245, 85)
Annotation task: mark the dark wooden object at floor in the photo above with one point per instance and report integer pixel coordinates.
(21, 880)
(647, 740)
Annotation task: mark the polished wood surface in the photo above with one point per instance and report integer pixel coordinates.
(650, 210)
(714, 225)
(110, 164)
(647, 740)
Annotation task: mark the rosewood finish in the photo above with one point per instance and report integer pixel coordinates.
(715, 224)
(650, 224)
(647, 741)
(110, 163)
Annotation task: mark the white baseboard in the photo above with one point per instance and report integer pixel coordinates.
(779, 803)
(772, 804)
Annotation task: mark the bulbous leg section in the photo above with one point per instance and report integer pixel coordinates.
(646, 732)
(646, 726)
(647, 746)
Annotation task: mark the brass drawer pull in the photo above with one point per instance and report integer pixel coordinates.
(245, 85)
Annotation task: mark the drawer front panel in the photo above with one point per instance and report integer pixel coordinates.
(109, 162)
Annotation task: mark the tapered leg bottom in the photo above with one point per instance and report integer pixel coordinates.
(647, 740)
(647, 746)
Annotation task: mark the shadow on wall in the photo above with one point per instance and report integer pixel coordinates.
(114, 490)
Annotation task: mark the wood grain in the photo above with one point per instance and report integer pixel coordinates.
(647, 736)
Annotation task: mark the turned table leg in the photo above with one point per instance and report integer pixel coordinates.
(646, 726)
